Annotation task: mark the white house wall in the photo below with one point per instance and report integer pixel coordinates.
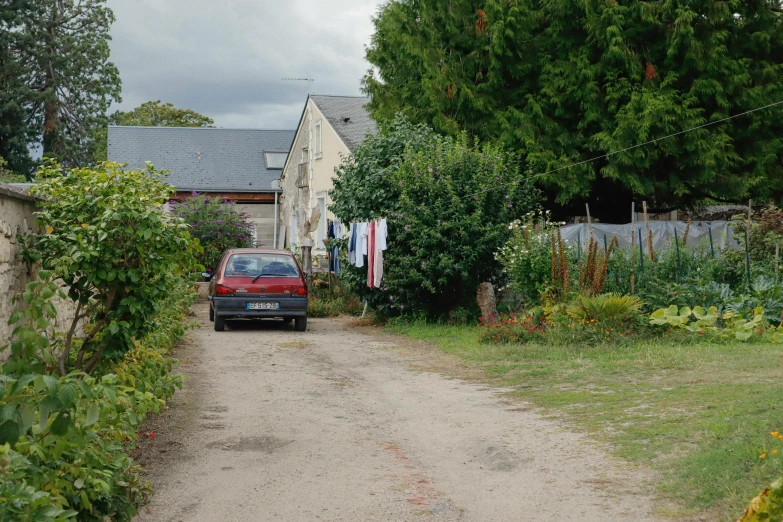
(300, 202)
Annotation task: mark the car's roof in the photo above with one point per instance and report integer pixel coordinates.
(259, 251)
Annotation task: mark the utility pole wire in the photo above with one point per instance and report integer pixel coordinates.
(722, 120)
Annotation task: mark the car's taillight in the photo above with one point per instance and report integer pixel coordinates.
(224, 290)
(300, 292)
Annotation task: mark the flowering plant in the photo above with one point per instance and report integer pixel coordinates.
(217, 224)
(510, 329)
(526, 257)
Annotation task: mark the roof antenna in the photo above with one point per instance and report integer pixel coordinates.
(310, 82)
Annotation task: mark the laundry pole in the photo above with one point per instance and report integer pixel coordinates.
(276, 187)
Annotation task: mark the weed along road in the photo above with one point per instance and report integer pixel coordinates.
(343, 424)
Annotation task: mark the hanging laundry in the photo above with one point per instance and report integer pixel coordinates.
(337, 233)
(361, 244)
(330, 235)
(381, 234)
(352, 244)
(371, 254)
(330, 230)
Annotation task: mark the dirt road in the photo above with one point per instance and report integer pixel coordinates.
(336, 425)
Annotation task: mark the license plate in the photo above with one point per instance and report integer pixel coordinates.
(263, 306)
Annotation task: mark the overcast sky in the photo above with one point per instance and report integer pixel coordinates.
(226, 58)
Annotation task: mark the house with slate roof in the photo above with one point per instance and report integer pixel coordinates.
(242, 165)
(330, 128)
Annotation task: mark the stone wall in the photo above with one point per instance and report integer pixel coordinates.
(16, 218)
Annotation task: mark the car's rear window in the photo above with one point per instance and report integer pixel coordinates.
(252, 265)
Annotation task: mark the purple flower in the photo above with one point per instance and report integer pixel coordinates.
(475, 197)
(430, 169)
(507, 196)
(510, 205)
(407, 227)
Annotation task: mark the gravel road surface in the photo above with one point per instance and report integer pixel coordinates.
(344, 424)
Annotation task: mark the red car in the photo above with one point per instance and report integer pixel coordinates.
(255, 283)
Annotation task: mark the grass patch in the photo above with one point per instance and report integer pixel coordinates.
(699, 414)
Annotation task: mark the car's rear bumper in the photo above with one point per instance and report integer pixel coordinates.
(237, 307)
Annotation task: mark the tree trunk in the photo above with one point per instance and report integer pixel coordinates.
(52, 103)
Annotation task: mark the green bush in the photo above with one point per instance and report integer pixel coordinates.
(767, 506)
(448, 203)
(323, 302)
(106, 238)
(70, 436)
(363, 191)
(217, 224)
(456, 201)
(526, 257)
(65, 434)
(611, 308)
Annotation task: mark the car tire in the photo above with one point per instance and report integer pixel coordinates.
(287, 320)
(211, 314)
(220, 324)
(300, 324)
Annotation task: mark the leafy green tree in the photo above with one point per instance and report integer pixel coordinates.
(564, 82)
(445, 220)
(66, 55)
(362, 186)
(7, 176)
(106, 237)
(157, 114)
(14, 93)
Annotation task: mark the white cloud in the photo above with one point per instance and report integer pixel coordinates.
(227, 58)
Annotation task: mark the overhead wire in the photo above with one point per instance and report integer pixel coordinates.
(626, 149)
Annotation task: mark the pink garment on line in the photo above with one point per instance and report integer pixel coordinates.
(371, 253)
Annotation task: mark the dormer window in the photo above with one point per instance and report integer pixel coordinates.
(275, 160)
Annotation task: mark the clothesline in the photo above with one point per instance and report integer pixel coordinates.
(368, 239)
(365, 240)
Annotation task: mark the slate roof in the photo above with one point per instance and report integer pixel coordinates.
(337, 108)
(205, 160)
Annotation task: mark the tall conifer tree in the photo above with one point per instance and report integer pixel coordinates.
(15, 96)
(565, 81)
(68, 66)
